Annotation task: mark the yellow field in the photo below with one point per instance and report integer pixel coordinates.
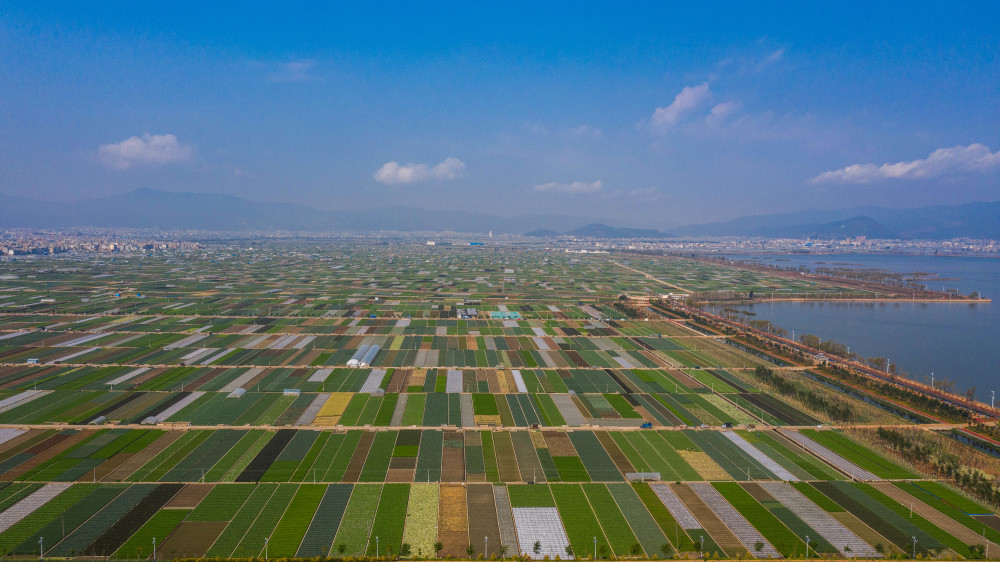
(492, 421)
(506, 382)
(706, 467)
(537, 439)
(334, 407)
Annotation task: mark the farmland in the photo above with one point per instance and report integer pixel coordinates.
(512, 406)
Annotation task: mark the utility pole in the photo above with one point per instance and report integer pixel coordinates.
(154, 549)
(807, 546)
(41, 549)
(595, 548)
(265, 546)
(914, 547)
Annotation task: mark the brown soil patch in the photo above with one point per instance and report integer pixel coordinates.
(148, 375)
(864, 531)
(191, 539)
(205, 378)
(22, 441)
(143, 456)
(758, 493)
(453, 521)
(136, 407)
(399, 380)
(616, 454)
(360, 454)
(710, 521)
(106, 467)
(399, 475)
(259, 378)
(46, 450)
(189, 497)
(483, 524)
(452, 464)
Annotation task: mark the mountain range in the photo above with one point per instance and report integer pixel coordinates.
(149, 208)
(941, 222)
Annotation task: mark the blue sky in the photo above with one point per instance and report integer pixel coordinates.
(647, 114)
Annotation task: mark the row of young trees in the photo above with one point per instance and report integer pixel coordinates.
(946, 464)
(837, 410)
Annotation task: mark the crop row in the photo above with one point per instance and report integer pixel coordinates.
(290, 455)
(344, 519)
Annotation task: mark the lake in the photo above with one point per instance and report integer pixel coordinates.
(954, 341)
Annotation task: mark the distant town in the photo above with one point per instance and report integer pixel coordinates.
(20, 243)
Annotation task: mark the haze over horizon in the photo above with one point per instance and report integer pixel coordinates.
(646, 115)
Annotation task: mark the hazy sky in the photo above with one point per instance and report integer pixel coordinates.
(652, 114)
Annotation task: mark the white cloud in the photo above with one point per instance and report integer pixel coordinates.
(294, 71)
(720, 112)
(585, 132)
(394, 172)
(642, 192)
(775, 56)
(148, 150)
(449, 169)
(575, 187)
(943, 161)
(689, 98)
(536, 129)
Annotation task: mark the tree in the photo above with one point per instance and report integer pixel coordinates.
(437, 548)
(569, 550)
(635, 549)
(970, 393)
(404, 549)
(603, 550)
(758, 546)
(470, 550)
(341, 548)
(666, 549)
(809, 340)
(538, 547)
(503, 551)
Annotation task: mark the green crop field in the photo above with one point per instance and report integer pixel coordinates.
(206, 399)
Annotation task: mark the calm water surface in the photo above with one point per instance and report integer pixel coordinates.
(959, 342)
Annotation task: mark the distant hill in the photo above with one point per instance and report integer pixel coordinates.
(848, 228)
(599, 230)
(150, 208)
(972, 220)
(542, 233)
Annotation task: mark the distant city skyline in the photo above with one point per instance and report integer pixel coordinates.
(648, 114)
